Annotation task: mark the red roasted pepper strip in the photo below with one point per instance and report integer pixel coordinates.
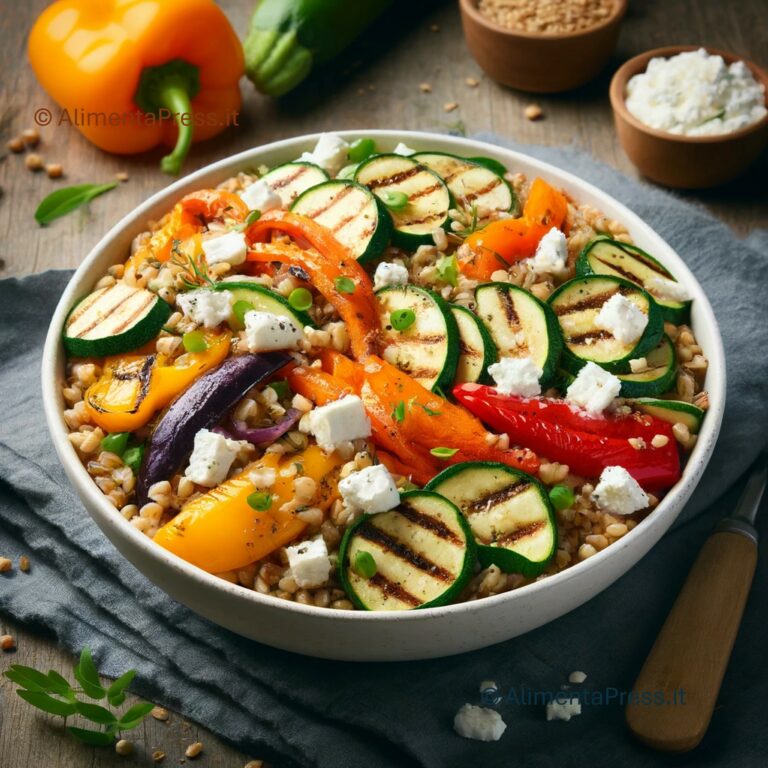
(586, 454)
(329, 265)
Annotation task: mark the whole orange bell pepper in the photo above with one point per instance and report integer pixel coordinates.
(132, 388)
(219, 531)
(133, 74)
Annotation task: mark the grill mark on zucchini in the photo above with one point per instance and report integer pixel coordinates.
(396, 179)
(115, 307)
(375, 535)
(331, 203)
(430, 523)
(520, 533)
(593, 302)
(509, 309)
(497, 497)
(585, 338)
(423, 192)
(483, 191)
(391, 589)
(285, 181)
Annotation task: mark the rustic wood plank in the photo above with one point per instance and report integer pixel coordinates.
(378, 88)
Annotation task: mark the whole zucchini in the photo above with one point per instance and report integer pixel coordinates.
(287, 38)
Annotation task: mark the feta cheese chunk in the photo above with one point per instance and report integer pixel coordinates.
(563, 709)
(618, 492)
(338, 422)
(309, 563)
(551, 254)
(371, 490)
(330, 153)
(664, 288)
(479, 723)
(593, 389)
(577, 677)
(229, 248)
(403, 149)
(205, 307)
(623, 318)
(265, 331)
(387, 273)
(516, 376)
(259, 196)
(211, 459)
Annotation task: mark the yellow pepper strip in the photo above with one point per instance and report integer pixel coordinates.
(132, 388)
(220, 531)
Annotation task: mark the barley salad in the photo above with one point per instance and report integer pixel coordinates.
(383, 380)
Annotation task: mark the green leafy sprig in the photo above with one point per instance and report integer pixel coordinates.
(54, 694)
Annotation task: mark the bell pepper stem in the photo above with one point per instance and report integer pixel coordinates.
(175, 98)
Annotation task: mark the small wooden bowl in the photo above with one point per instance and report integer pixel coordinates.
(685, 162)
(540, 63)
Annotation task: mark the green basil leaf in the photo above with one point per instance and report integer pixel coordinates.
(135, 714)
(67, 199)
(96, 713)
(96, 738)
(48, 703)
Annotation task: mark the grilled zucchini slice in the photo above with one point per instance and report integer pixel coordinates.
(471, 183)
(603, 256)
(114, 320)
(427, 350)
(423, 552)
(521, 326)
(476, 348)
(356, 217)
(263, 300)
(658, 378)
(429, 199)
(508, 511)
(673, 411)
(577, 303)
(288, 181)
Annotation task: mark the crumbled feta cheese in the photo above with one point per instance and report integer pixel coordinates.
(551, 253)
(309, 563)
(403, 149)
(561, 708)
(696, 94)
(593, 389)
(577, 677)
(338, 422)
(205, 307)
(211, 459)
(263, 477)
(479, 723)
(259, 196)
(229, 248)
(618, 492)
(638, 365)
(388, 273)
(330, 153)
(516, 376)
(265, 331)
(623, 318)
(371, 490)
(664, 288)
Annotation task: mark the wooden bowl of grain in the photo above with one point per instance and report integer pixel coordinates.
(542, 46)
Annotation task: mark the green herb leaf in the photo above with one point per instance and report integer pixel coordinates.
(240, 309)
(133, 458)
(28, 678)
(88, 676)
(96, 713)
(444, 453)
(67, 199)
(48, 703)
(429, 411)
(95, 738)
(116, 442)
(344, 285)
(281, 387)
(364, 564)
(60, 685)
(194, 341)
(252, 216)
(448, 269)
(398, 412)
(118, 686)
(134, 715)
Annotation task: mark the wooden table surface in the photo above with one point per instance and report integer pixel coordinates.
(380, 90)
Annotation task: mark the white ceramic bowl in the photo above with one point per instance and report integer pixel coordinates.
(358, 635)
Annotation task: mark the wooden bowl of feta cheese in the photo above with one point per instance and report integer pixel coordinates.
(691, 117)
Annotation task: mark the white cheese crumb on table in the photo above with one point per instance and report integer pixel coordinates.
(618, 492)
(561, 708)
(479, 723)
(577, 677)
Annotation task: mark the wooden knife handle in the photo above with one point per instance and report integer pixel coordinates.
(689, 657)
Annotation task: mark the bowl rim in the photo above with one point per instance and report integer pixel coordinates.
(114, 525)
(470, 7)
(639, 63)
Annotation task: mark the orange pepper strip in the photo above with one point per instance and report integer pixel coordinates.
(326, 263)
(132, 388)
(512, 240)
(430, 421)
(220, 531)
(209, 204)
(317, 385)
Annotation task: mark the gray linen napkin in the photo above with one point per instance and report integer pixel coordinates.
(305, 712)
